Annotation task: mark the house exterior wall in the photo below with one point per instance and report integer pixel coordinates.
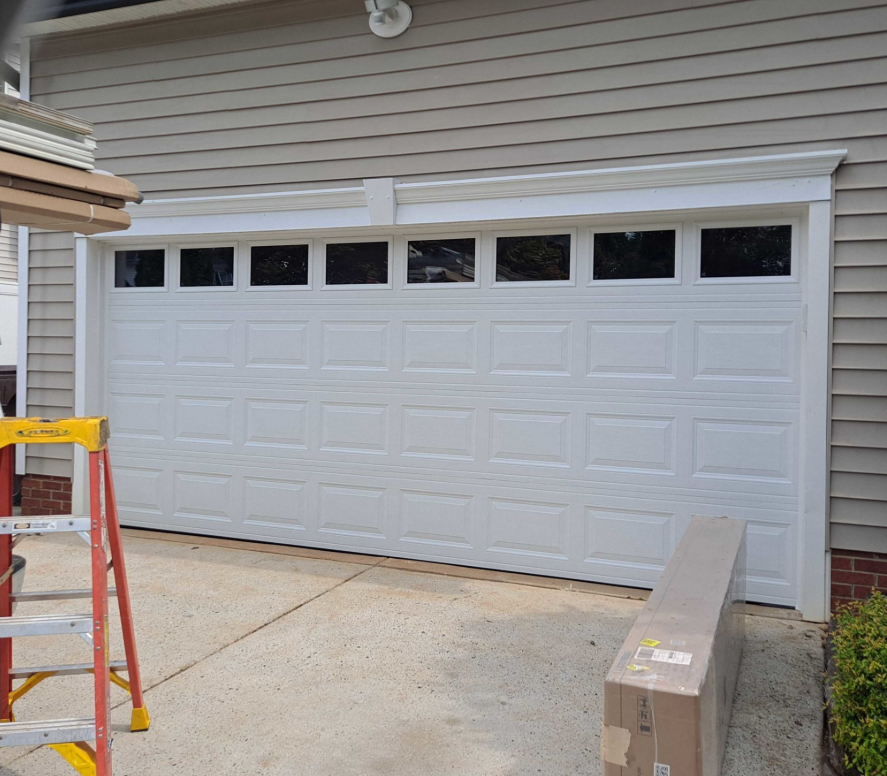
(290, 95)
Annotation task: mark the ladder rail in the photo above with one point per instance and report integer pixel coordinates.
(101, 530)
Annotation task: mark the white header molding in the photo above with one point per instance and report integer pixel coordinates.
(784, 179)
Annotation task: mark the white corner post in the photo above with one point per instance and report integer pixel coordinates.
(814, 603)
(88, 372)
(21, 366)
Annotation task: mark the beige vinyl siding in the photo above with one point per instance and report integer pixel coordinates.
(8, 254)
(296, 94)
(50, 342)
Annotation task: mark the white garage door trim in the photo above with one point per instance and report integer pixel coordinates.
(663, 192)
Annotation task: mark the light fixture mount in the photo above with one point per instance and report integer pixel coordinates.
(389, 18)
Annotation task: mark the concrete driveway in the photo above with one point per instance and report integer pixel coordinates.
(262, 662)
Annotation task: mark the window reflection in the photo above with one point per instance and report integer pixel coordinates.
(440, 261)
(206, 267)
(278, 265)
(139, 269)
(533, 257)
(634, 255)
(746, 251)
(358, 264)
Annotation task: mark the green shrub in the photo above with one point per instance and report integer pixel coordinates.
(859, 691)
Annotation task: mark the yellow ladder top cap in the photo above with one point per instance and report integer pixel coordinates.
(92, 433)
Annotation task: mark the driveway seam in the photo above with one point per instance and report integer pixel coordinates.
(224, 647)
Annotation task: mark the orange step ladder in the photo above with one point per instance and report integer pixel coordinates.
(69, 737)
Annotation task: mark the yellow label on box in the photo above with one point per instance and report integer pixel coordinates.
(632, 667)
(651, 643)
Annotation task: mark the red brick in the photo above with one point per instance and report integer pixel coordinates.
(861, 592)
(842, 591)
(873, 566)
(842, 563)
(861, 554)
(853, 578)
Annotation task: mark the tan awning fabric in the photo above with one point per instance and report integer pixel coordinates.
(28, 208)
(42, 194)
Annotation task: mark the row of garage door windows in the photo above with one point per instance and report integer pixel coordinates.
(725, 252)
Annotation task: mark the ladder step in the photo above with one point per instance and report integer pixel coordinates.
(45, 625)
(44, 524)
(74, 669)
(57, 595)
(53, 731)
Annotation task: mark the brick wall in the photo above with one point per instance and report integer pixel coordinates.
(854, 574)
(43, 494)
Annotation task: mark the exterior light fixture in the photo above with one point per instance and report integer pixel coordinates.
(389, 18)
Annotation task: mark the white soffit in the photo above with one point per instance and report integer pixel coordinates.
(783, 179)
(133, 13)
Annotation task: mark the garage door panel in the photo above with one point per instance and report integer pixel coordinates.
(706, 351)
(587, 535)
(650, 445)
(570, 430)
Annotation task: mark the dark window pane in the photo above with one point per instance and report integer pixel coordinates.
(139, 269)
(634, 255)
(537, 257)
(359, 264)
(278, 265)
(440, 261)
(746, 251)
(207, 267)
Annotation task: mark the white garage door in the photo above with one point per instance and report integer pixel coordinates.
(557, 401)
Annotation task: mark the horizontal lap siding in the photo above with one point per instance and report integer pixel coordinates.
(51, 342)
(294, 95)
(8, 255)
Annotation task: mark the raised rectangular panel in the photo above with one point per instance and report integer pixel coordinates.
(274, 503)
(531, 348)
(205, 343)
(352, 510)
(631, 349)
(139, 489)
(136, 342)
(136, 416)
(528, 528)
(538, 438)
(274, 344)
(354, 428)
(637, 444)
(628, 537)
(745, 350)
(361, 345)
(436, 518)
(770, 552)
(276, 423)
(202, 496)
(203, 419)
(742, 450)
(439, 347)
(438, 432)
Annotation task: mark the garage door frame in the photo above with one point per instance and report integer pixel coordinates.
(657, 192)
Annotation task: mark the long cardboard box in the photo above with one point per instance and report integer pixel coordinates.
(669, 695)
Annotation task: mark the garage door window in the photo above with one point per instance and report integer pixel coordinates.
(533, 258)
(441, 261)
(639, 255)
(357, 264)
(746, 252)
(278, 265)
(140, 268)
(206, 267)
